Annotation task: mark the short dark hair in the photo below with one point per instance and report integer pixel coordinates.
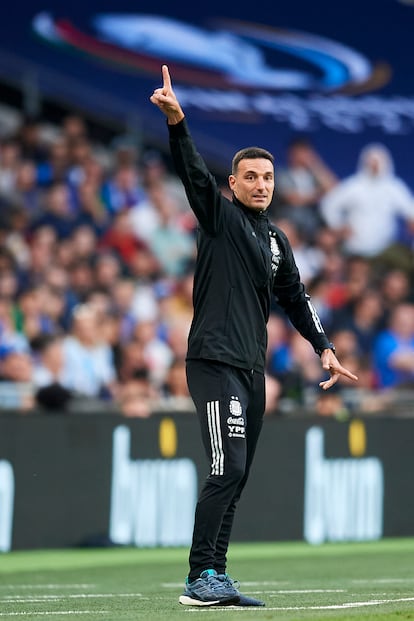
(250, 153)
(42, 341)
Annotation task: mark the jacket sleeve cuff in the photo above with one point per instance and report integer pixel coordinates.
(323, 344)
(179, 129)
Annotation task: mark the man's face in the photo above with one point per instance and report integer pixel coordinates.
(254, 183)
(375, 164)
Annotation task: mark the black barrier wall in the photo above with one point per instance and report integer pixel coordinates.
(99, 479)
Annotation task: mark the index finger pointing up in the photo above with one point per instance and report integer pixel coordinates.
(166, 78)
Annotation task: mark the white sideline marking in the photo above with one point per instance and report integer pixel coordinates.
(374, 602)
(381, 580)
(296, 591)
(47, 586)
(54, 612)
(267, 583)
(35, 599)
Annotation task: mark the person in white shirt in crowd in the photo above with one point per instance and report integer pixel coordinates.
(48, 360)
(367, 208)
(89, 367)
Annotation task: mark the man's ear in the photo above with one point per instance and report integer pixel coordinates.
(232, 181)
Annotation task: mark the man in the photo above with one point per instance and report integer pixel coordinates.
(242, 260)
(372, 211)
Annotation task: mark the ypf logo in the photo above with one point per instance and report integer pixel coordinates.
(235, 422)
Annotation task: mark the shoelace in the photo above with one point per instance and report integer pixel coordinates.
(215, 582)
(226, 578)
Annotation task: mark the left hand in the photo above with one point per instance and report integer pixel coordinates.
(331, 364)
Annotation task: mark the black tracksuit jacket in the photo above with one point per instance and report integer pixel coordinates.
(242, 260)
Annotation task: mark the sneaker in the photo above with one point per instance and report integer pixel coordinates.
(208, 590)
(244, 600)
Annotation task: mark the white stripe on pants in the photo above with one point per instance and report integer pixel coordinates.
(217, 454)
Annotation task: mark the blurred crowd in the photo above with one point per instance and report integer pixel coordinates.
(97, 250)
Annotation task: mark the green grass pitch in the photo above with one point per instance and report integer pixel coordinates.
(297, 581)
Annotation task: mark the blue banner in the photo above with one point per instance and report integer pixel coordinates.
(338, 72)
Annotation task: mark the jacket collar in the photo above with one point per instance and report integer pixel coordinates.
(251, 213)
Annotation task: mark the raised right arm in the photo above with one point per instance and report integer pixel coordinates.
(201, 188)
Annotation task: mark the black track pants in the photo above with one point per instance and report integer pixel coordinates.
(230, 405)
